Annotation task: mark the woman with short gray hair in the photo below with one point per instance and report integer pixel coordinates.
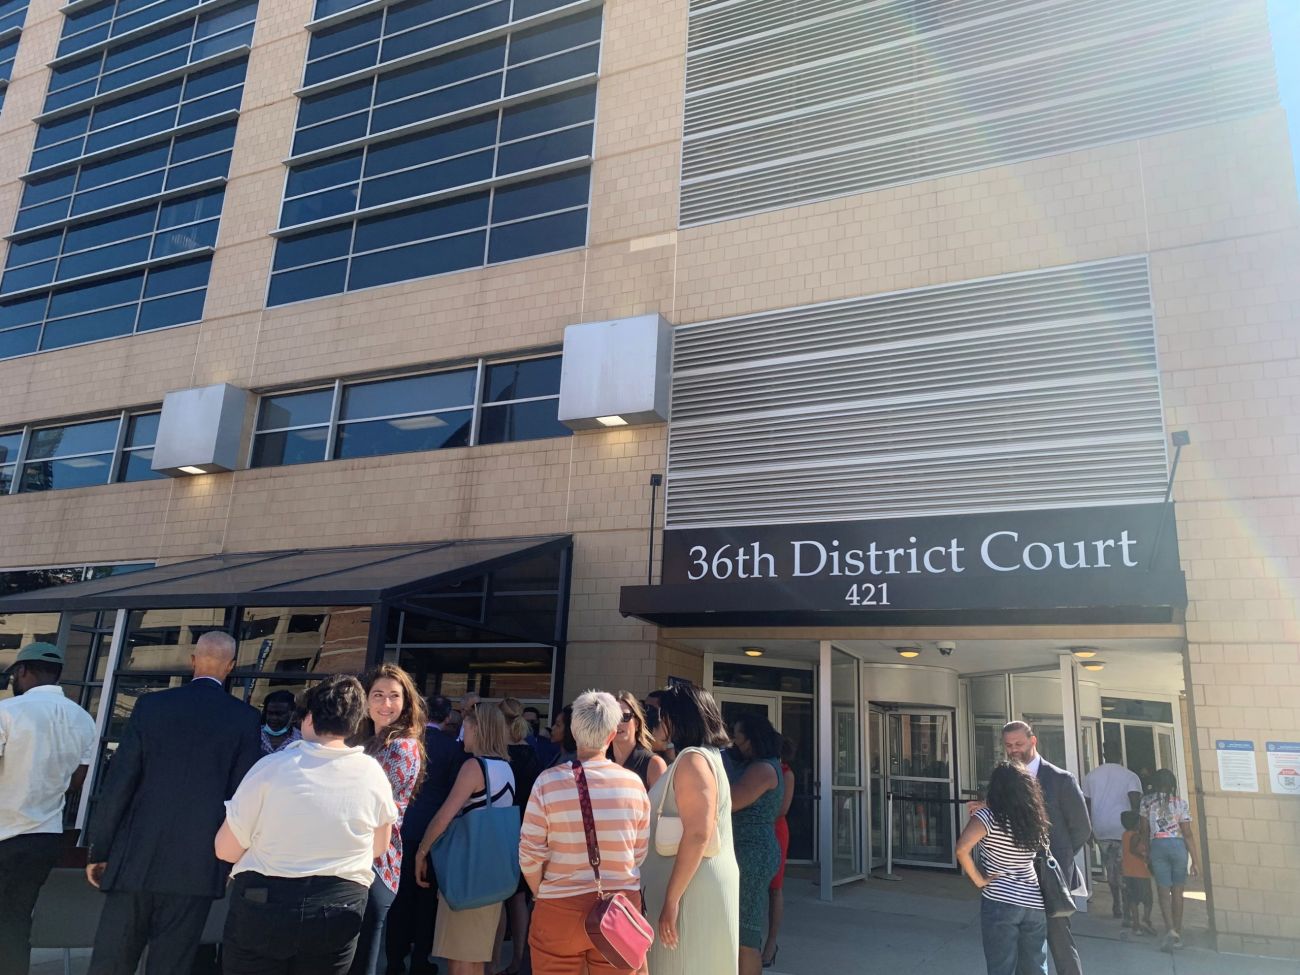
(553, 843)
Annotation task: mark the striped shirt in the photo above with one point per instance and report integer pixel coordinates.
(1016, 883)
(553, 843)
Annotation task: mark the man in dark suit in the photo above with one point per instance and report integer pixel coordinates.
(410, 919)
(181, 756)
(1068, 813)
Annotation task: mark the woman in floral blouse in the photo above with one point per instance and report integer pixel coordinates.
(393, 733)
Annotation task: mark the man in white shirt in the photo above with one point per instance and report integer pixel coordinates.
(1111, 790)
(46, 745)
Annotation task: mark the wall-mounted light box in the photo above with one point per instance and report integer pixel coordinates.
(616, 373)
(200, 429)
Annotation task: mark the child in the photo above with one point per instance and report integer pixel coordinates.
(1137, 878)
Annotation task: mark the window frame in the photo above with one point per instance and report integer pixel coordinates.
(117, 454)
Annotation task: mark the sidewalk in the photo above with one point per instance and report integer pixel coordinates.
(927, 924)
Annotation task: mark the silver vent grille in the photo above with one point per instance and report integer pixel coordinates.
(790, 102)
(1036, 390)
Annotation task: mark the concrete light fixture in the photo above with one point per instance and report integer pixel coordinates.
(200, 430)
(616, 373)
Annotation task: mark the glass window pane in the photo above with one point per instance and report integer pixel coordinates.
(541, 195)
(203, 143)
(177, 310)
(548, 113)
(291, 447)
(330, 134)
(163, 639)
(521, 421)
(89, 328)
(430, 432)
(329, 203)
(215, 79)
(441, 102)
(409, 395)
(550, 71)
(522, 380)
(545, 149)
(341, 64)
(348, 34)
(136, 466)
(560, 35)
(335, 104)
(177, 277)
(324, 174)
(134, 223)
(76, 438)
(311, 282)
(540, 236)
(142, 429)
(474, 133)
(430, 220)
(19, 341)
(446, 70)
(316, 245)
(295, 409)
(461, 171)
(22, 311)
(99, 295)
(9, 446)
(53, 475)
(34, 249)
(300, 639)
(417, 260)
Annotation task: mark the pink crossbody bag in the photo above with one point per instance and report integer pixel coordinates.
(617, 928)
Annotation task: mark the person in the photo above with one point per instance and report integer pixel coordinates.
(303, 831)
(467, 701)
(468, 939)
(46, 746)
(1137, 877)
(277, 722)
(756, 797)
(1111, 790)
(1011, 826)
(392, 732)
(1067, 813)
(553, 854)
(632, 744)
(651, 706)
(546, 751)
(562, 738)
(411, 918)
(1165, 829)
(776, 892)
(182, 754)
(526, 767)
(451, 727)
(693, 900)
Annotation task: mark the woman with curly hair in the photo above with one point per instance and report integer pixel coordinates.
(1010, 828)
(393, 734)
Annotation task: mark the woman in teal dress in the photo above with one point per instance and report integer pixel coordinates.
(756, 797)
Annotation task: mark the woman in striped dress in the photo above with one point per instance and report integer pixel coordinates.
(1010, 828)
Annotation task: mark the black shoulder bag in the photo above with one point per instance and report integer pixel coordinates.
(1057, 901)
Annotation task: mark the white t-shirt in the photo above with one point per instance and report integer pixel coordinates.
(44, 737)
(1108, 786)
(311, 811)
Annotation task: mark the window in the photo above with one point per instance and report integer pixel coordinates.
(432, 411)
(459, 155)
(122, 199)
(12, 15)
(80, 454)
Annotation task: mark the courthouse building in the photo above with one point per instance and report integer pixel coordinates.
(839, 355)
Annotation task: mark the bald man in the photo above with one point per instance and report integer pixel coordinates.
(150, 835)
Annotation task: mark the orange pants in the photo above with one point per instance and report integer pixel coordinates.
(558, 938)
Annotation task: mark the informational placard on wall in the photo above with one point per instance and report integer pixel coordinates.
(1237, 766)
(1284, 767)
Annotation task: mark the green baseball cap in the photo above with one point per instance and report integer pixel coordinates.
(44, 652)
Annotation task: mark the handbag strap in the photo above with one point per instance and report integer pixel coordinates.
(663, 796)
(588, 823)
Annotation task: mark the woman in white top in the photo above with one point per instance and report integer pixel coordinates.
(467, 939)
(1165, 829)
(303, 829)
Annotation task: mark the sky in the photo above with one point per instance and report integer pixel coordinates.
(1284, 17)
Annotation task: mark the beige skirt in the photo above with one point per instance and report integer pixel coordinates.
(466, 935)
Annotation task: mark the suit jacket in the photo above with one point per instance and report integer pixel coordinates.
(183, 753)
(1067, 811)
(445, 757)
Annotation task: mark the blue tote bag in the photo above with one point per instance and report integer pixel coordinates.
(476, 860)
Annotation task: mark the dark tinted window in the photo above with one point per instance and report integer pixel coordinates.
(521, 421)
(411, 394)
(433, 431)
(292, 447)
(522, 380)
(295, 409)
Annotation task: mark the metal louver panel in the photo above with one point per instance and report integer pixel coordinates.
(787, 103)
(1034, 390)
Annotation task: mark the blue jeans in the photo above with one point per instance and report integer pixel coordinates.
(1169, 861)
(1015, 938)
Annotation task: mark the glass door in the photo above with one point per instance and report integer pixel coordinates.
(735, 705)
(847, 785)
(876, 769)
(920, 777)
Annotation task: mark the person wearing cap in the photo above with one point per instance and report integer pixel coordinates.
(47, 743)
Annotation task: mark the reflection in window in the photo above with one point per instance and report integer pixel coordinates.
(325, 640)
(163, 639)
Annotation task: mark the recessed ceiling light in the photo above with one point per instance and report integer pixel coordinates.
(417, 422)
(1084, 653)
(193, 470)
(1093, 665)
(908, 652)
(80, 462)
(753, 651)
(611, 421)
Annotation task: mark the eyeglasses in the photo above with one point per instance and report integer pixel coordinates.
(627, 716)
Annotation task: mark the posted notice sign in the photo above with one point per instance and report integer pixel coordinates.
(1284, 767)
(1237, 766)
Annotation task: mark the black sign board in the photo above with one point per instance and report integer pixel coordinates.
(1026, 565)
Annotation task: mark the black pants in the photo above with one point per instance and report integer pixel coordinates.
(25, 864)
(370, 943)
(292, 925)
(411, 921)
(170, 924)
(1060, 942)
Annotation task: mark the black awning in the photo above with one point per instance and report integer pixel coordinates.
(295, 577)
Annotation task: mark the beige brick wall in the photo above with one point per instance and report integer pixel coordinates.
(1215, 207)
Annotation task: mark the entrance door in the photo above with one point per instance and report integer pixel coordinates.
(848, 789)
(920, 749)
(736, 705)
(876, 770)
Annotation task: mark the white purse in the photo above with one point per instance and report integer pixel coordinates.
(668, 829)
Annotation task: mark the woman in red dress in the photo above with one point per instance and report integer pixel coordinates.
(776, 895)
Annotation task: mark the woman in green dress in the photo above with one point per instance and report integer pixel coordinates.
(756, 803)
(692, 893)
